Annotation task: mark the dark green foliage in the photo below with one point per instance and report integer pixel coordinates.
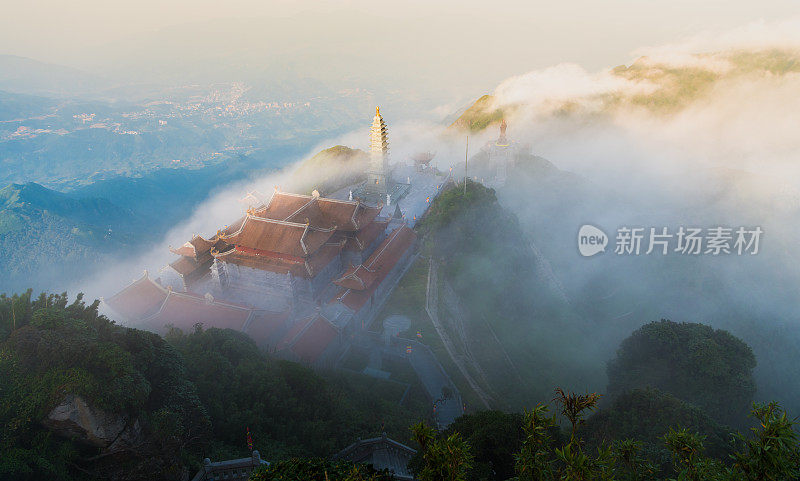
(645, 415)
(772, 452)
(290, 409)
(317, 469)
(494, 437)
(540, 459)
(709, 368)
(628, 463)
(575, 407)
(51, 350)
(452, 205)
(444, 458)
(686, 448)
(533, 460)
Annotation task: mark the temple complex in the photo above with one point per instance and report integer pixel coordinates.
(299, 273)
(286, 253)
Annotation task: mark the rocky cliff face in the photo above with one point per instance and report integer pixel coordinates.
(74, 418)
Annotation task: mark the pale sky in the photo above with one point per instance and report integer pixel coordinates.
(54, 30)
(436, 39)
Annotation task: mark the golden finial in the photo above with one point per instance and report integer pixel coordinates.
(377, 110)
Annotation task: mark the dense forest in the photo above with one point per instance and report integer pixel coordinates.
(156, 407)
(159, 405)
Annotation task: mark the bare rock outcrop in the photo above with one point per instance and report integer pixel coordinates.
(75, 418)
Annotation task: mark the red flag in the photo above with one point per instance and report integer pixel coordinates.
(249, 440)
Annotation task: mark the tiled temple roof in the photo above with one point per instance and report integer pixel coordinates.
(346, 215)
(309, 338)
(196, 248)
(357, 277)
(153, 306)
(306, 267)
(142, 298)
(363, 238)
(299, 240)
(382, 453)
(184, 310)
(380, 263)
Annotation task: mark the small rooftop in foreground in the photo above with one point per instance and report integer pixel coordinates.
(381, 453)
(233, 469)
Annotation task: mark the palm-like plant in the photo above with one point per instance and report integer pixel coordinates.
(573, 407)
(446, 459)
(773, 452)
(533, 462)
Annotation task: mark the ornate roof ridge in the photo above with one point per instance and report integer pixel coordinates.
(276, 221)
(145, 276)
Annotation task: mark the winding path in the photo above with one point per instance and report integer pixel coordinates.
(432, 307)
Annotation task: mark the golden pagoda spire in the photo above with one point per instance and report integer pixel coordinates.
(379, 136)
(379, 153)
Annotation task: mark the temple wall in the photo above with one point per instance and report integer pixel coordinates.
(255, 287)
(205, 284)
(267, 289)
(168, 277)
(326, 276)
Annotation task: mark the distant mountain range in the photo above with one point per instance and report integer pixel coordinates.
(22, 74)
(45, 234)
(30, 198)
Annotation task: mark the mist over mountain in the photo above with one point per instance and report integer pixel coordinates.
(674, 139)
(47, 234)
(106, 169)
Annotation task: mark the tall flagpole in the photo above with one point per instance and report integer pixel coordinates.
(466, 156)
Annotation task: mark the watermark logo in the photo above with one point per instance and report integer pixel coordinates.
(687, 241)
(591, 240)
